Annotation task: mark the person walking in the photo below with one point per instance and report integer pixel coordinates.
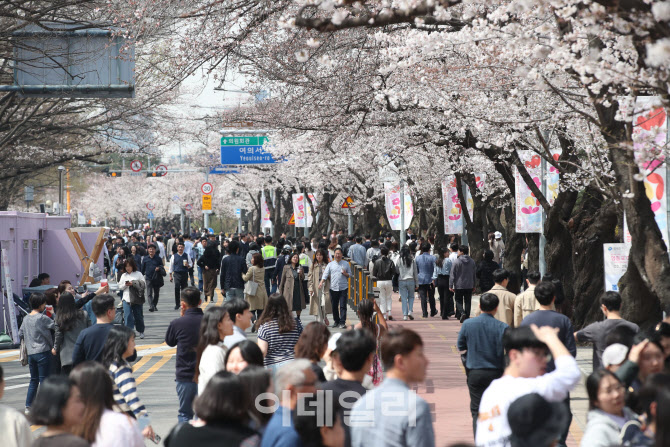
(153, 270)
(462, 282)
(441, 282)
(269, 253)
(184, 333)
(596, 333)
(240, 315)
(383, 271)
(255, 278)
(233, 267)
(497, 246)
(215, 326)
(180, 263)
(319, 303)
(482, 340)
(69, 322)
(366, 310)
(338, 271)
(357, 253)
(209, 263)
(506, 298)
(410, 424)
(485, 270)
(291, 285)
(37, 334)
(525, 303)
(408, 281)
(278, 333)
(425, 265)
(119, 347)
(132, 285)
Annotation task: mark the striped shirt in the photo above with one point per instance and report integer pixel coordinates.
(125, 390)
(281, 347)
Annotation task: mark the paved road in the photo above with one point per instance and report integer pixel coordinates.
(445, 388)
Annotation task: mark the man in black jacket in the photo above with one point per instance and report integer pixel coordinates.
(233, 267)
(153, 271)
(183, 333)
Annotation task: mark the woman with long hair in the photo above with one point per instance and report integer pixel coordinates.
(291, 285)
(211, 353)
(257, 380)
(366, 310)
(70, 321)
(278, 332)
(312, 345)
(333, 245)
(256, 274)
(223, 407)
(58, 406)
(243, 354)
(132, 285)
(408, 280)
(319, 304)
(119, 346)
(100, 424)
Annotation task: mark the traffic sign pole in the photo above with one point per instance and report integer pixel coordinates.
(206, 215)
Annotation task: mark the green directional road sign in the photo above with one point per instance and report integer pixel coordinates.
(243, 141)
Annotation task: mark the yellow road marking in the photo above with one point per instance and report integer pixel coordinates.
(9, 359)
(141, 363)
(430, 325)
(443, 337)
(143, 347)
(153, 369)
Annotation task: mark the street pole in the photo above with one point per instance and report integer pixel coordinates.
(61, 170)
(67, 189)
(350, 226)
(272, 225)
(206, 218)
(181, 220)
(543, 240)
(402, 213)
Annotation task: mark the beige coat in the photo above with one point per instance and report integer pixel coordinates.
(259, 300)
(505, 312)
(286, 287)
(525, 304)
(313, 279)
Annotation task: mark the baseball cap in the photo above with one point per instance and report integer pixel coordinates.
(614, 354)
(497, 234)
(534, 421)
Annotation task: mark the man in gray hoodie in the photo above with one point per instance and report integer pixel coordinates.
(462, 282)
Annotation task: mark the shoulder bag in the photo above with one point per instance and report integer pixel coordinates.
(251, 286)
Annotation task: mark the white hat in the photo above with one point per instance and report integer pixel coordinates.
(497, 234)
(332, 342)
(614, 354)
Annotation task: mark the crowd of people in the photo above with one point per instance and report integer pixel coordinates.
(517, 350)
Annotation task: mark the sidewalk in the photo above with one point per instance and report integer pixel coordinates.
(445, 387)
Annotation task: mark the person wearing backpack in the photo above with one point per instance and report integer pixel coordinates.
(383, 271)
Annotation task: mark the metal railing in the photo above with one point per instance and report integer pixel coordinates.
(361, 285)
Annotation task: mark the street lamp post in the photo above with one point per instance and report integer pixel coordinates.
(61, 171)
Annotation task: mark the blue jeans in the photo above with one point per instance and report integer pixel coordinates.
(39, 365)
(133, 316)
(234, 293)
(338, 300)
(406, 287)
(186, 391)
(200, 279)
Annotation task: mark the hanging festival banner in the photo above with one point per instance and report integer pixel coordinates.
(392, 200)
(528, 210)
(265, 220)
(451, 205)
(650, 131)
(299, 210)
(553, 178)
(616, 264)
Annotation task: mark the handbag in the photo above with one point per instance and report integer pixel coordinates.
(23, 353)
(251, 287)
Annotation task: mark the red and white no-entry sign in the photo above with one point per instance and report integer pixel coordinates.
(207, 188)
(136, 165)
(161, 170)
